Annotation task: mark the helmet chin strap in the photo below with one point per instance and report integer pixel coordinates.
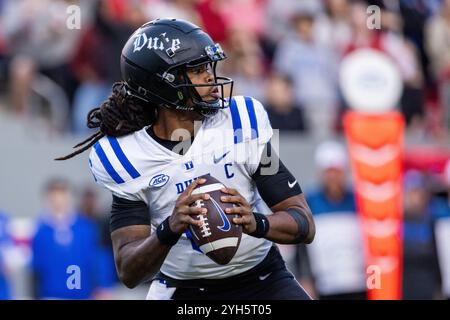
(206, 112)
(201, 107)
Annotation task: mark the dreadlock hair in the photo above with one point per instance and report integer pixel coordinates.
(119, 115)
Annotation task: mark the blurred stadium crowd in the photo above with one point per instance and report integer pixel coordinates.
(285, 53)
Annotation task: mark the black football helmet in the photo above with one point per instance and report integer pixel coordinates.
(155, 60)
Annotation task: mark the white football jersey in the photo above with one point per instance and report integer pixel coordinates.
(228, 146)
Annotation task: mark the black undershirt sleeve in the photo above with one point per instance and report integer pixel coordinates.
(277, 186)
(125, 213)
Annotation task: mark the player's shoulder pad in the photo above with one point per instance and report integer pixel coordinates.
(249, 120)
(113, 161)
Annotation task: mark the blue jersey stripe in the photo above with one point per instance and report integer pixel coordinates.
(106, 164)
(237, 125)
(123, 158)
(252, 117)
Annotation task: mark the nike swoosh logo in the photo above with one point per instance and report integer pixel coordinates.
(262, 278)
(216, 160)
(291, 185)
(226, 226)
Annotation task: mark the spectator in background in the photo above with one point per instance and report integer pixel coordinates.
(39, 41)
(333, 27)
(64, 238)
(415, 14)
(245, 16)
(248, 76)
(246, 65)
(312, 68)
(212, 20)
(438, 48)
(389, 40)
(281, 108)
(278, 16)
(336, 263)
(132, 13)
(95, 62)
(421, 274)
(89, 207)
(5, 242)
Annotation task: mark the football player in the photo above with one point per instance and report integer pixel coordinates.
(170, 85)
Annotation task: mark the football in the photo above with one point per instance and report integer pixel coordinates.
(219, 237)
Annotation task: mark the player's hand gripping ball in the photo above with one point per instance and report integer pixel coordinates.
(217, 237)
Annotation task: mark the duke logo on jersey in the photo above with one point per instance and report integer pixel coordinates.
(228, 146)
(189, 165)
